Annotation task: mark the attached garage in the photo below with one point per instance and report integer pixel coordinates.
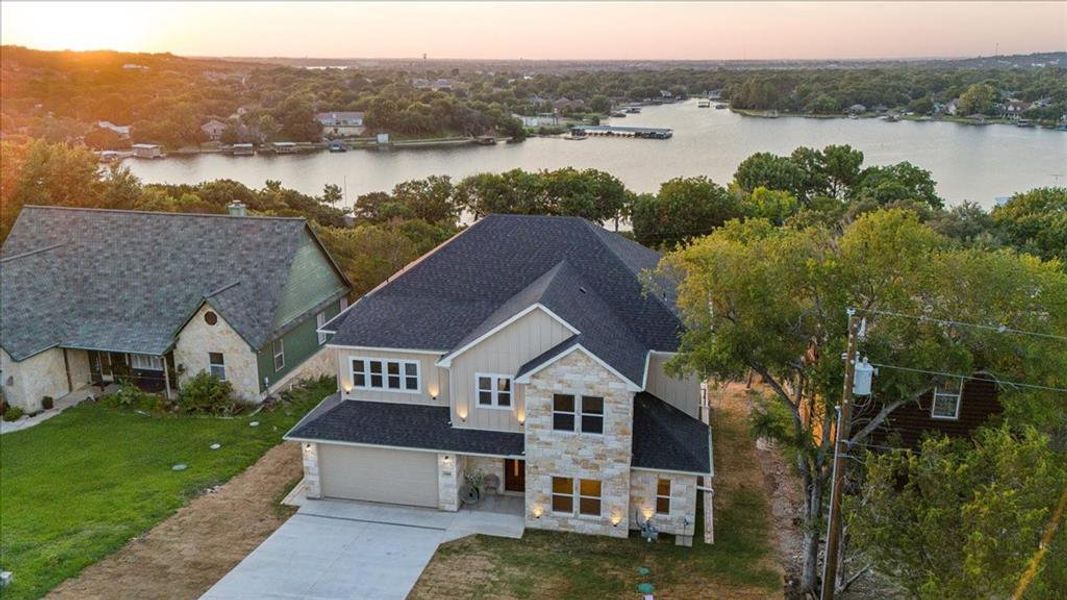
(378, 474)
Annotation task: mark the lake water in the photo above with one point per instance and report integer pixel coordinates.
(968, 162)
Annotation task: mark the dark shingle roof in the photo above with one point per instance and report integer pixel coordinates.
(400, 425)
(667, 438)
(504, 263)
(128, 280)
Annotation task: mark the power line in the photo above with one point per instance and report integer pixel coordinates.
(971, 377)
(997, 328)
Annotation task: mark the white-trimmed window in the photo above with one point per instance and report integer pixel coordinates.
(581, 496)
(320, 320)
(217, 365)
(584, 414)
(278, 349)
(494, 391)
(946, 404)
(663, 496)
(388, 375)
(146, 362)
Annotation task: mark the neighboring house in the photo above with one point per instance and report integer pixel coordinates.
(540, 120)
(526, 347)
(857, 109)
(91, 296)
(954, 408)
(341, 124)
(123, 131)
(214, 129)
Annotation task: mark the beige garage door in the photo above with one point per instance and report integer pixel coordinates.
(378, 475)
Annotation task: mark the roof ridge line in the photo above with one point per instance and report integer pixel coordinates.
(32, 252)
(159, 212)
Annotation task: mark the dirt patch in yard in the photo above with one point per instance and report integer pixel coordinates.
(186, 554)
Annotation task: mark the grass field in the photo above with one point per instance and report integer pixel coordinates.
(82, 484)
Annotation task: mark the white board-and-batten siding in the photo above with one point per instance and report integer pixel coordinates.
(433, 380)
(681, 392)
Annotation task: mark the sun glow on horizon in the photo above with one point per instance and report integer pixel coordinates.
(83, 26)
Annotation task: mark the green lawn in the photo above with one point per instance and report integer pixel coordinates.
(80, 485)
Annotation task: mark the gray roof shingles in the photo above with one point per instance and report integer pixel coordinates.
(504, 263)
(127, 280)
(667, 438)
(401, 425)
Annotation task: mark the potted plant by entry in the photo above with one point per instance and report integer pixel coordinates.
(471, 492)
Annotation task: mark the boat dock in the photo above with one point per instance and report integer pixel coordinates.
(655, 133)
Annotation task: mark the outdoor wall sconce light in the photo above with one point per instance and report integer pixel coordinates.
(648, 512)
(538, 511)
(462, 412)
(615, 520)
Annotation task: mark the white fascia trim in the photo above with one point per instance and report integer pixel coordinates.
(447, 361)
(382, 349)
(672, 471)
(406, 448)
(630, 386)
(648, 363)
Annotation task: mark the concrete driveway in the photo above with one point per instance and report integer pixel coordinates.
(335, 549)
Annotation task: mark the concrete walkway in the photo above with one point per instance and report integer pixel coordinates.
(61, 404)
(334, 549)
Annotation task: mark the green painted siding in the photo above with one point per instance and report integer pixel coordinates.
(311, 280)
(300, 342)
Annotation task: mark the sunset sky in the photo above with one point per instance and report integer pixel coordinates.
(755, 30)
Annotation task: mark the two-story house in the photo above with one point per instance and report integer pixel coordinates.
(525, 347)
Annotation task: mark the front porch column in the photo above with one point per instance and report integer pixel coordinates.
(311, 470)
(448, 477)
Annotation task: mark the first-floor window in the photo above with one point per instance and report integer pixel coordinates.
(946, 403)
(217, 365)
(569, 493)
(380, 374)
(663, 496)
(320, 320)
(563, 495)
(589, 497)
(146, 362)
(278, 347)
(493, 390)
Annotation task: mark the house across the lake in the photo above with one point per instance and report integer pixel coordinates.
(341, 123)
(525, 350)
(94, 296)
(214, 129)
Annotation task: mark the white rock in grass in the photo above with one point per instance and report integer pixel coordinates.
(179, 467)
(254, 424)
(216, 446)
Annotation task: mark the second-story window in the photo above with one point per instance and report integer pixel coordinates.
(946, 403)
(493, 390)
(388, 375)
(584, 414)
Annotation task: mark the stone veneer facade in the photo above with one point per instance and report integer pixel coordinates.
(603, 457)
(312, 484)
(198, 338)
(449, 477)
(681, 521)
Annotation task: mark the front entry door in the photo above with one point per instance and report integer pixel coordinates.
(101, 362)
(514, 475)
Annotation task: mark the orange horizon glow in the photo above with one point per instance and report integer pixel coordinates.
(545, 31)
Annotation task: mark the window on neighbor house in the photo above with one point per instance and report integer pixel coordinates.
(320, 320)
(592, 414)
(216, 365)
(589, 497)
(278, 348)
(563, 412)
(146, 362)
(493, 390)
(563, 495)
(946, 403)
(388, 375)
(663, 496)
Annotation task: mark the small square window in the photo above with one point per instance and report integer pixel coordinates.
(663, 496)
(946, 401)
(493, 390)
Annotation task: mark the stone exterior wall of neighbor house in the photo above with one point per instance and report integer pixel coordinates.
(681, 521)
(489, 466)
(312, 482)
(27, 381)
(198, 339)
(78, 362)
(449, 479)
(579, 456)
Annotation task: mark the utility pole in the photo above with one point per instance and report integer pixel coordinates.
(844, 423)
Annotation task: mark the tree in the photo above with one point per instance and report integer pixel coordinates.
(684, 209)
(428, 199)
(773, 301)
(979, 98)
(969, 224)
(600, 104)
(772, 205)
(368, 254)
(962, 519)
(896, 183)
(1036, 222)
(764, 169)
(48, 174)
